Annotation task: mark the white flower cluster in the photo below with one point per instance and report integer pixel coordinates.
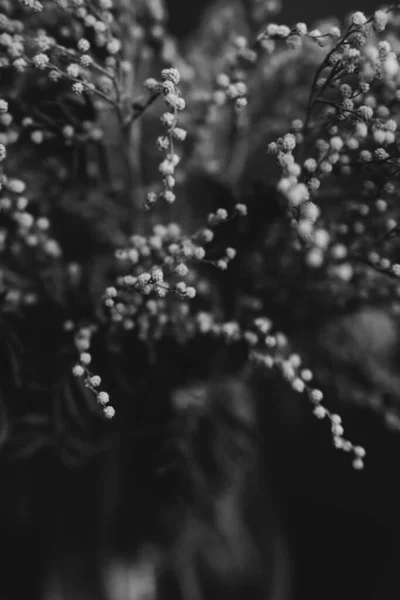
(60, 62)
(348, 122)
(271, 349)
(82, 340)
(172, 97)
(278, 355)
(31, 233)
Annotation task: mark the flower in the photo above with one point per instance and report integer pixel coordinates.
(111, 292)
(336, 143)
(301, 29)
(366, 112)
(380, 20)
(37, 136)
(179, 133)
(109, 412)
(151, 84)
(396, 269)
(172, 75)
(73, 70)
(298, 194)
(169, 196)
(83, 45)
(241, 103)
(168, 119)
(358, 18)
(103, 398)
(288, 142)
(310, 165)
(316, 395)
(78, 371)
(17, 186)
(114, 46)
(241, 209)
(85, 358)
(20, 64)
(41, 61)
(175, 101)
(78, 88)
(320, 412)
(86, 60)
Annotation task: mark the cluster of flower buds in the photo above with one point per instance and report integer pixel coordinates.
(99, 18)
(141, 296)
(159, 268)
(26, 232)
(82, 339)
(230, 90)
(231, 86)
(28, 45)
(173, 99)
(353, 115)
(294, 37)
(271, 349)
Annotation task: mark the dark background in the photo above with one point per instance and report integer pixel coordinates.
(185, 14)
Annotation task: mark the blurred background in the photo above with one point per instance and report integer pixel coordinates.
(185, 15)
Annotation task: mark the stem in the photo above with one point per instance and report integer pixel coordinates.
(139, 109)
(132, 137)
